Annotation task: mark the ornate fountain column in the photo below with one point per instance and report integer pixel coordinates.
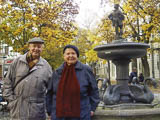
(122, 71)
(122, 78)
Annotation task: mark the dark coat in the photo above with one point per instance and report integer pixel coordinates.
(131, 76)
(89, 96)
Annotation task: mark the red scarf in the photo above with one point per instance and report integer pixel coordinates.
(68, 94)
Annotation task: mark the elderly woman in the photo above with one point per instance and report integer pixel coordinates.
(73, 93)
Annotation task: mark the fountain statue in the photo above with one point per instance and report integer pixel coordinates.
(117, 17)
(120, 52)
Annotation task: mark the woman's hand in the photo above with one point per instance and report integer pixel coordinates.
(49, 118)
(92, 113)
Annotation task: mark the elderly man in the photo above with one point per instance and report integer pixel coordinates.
(26, 82)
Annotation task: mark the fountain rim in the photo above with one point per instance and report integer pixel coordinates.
(121, 44)
(128, 113)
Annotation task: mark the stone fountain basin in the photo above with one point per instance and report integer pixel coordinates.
(134, 114)
(123, 50)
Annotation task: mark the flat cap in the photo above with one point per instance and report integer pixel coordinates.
(36, 40)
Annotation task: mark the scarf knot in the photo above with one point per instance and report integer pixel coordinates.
(31, 62)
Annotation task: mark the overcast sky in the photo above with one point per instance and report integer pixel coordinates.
(90, 12)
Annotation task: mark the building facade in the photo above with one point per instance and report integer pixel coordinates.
(6, 57)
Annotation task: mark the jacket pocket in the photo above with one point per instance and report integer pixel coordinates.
(13, 102)
(13, 106)
(36, 109)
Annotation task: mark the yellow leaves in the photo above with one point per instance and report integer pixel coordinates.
(142, 18)
(35, 18)
(9, 7)
(89, 55)
(18, 31)
(145, 1)
(157, 39)
(28, 25)
(4, 28)
(104, 62)
(34, 34)
(145, 26)
(24, 48)
(115, 1)
(49, 33)
(127, 8)
(28, 16)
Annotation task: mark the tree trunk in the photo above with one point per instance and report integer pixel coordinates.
(145, 66)
(93, 66)
(109, 74)
(134, 63)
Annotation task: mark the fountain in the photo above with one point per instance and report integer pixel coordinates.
(123, 97)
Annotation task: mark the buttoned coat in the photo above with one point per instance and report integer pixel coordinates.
(27, 98)
(89, 96)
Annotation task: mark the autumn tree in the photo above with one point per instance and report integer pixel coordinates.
(51, 20)
(142, 20)
(102, 34)
(86, 41)
(105, 30)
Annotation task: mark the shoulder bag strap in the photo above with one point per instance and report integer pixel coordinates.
(21, 79)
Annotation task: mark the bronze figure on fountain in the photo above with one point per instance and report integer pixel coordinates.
(117, 18)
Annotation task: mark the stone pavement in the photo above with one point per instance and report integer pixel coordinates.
(5, 115)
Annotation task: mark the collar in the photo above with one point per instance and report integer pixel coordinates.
(78, 66)
(23, 59)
